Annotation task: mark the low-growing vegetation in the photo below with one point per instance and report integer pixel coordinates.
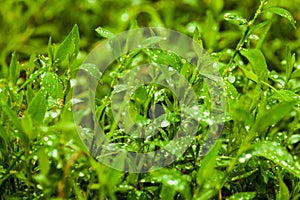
(254, 44)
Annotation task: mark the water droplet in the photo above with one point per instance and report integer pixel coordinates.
(231, 78)
(54, 153)
(284, 163)
(165, 123)
(242, 160)
(206, 114)
(248, 156)
(50, 144)
(195, 108)
(124, 17)
(54, 114)
(247, 128)
(81, 174)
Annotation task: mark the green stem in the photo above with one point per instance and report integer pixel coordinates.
(245, 36)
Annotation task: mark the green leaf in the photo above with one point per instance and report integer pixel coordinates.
(37, 107)
(243, 195)
(210, 31)
(151, 41)
(207, 166)
(296, 74)
(50, 50)
(235, 18)
(167, 193)
(164, 58)
(241, 114)
(44, 162)
(286, 95)
(283, 193)
(197, 39)
(65, 47)
(104, 32)
(91, 69)
(249, 74)
(14, 118)
(4, 143)
(52, 85)
(293, 139)
(257, 61)
(278, 154)
(290, 61)
(273, 115)
(28, 126)
(76, 41)
(14, 69)
(173, 180)
(283, 13)
(141, 95)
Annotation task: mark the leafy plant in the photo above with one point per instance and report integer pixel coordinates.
(255, 50)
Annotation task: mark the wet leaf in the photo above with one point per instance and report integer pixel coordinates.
(207, 166)
(243, 195)
(293, 139)
(235, 18)
(277, 154)
(283, 13)
(173, 180)
(283, 193)
(257, 61)
(151, 41)
(290, 61)
(37, 107)
(65, 47)
(91, 69)
(104, 32)
(52, 85)
(249, 74)
(273, 115)
(286, 95)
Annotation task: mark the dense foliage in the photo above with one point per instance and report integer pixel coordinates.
(254, 43)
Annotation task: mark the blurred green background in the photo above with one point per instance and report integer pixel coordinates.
(26, 25)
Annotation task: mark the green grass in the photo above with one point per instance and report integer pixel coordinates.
(255, 46)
